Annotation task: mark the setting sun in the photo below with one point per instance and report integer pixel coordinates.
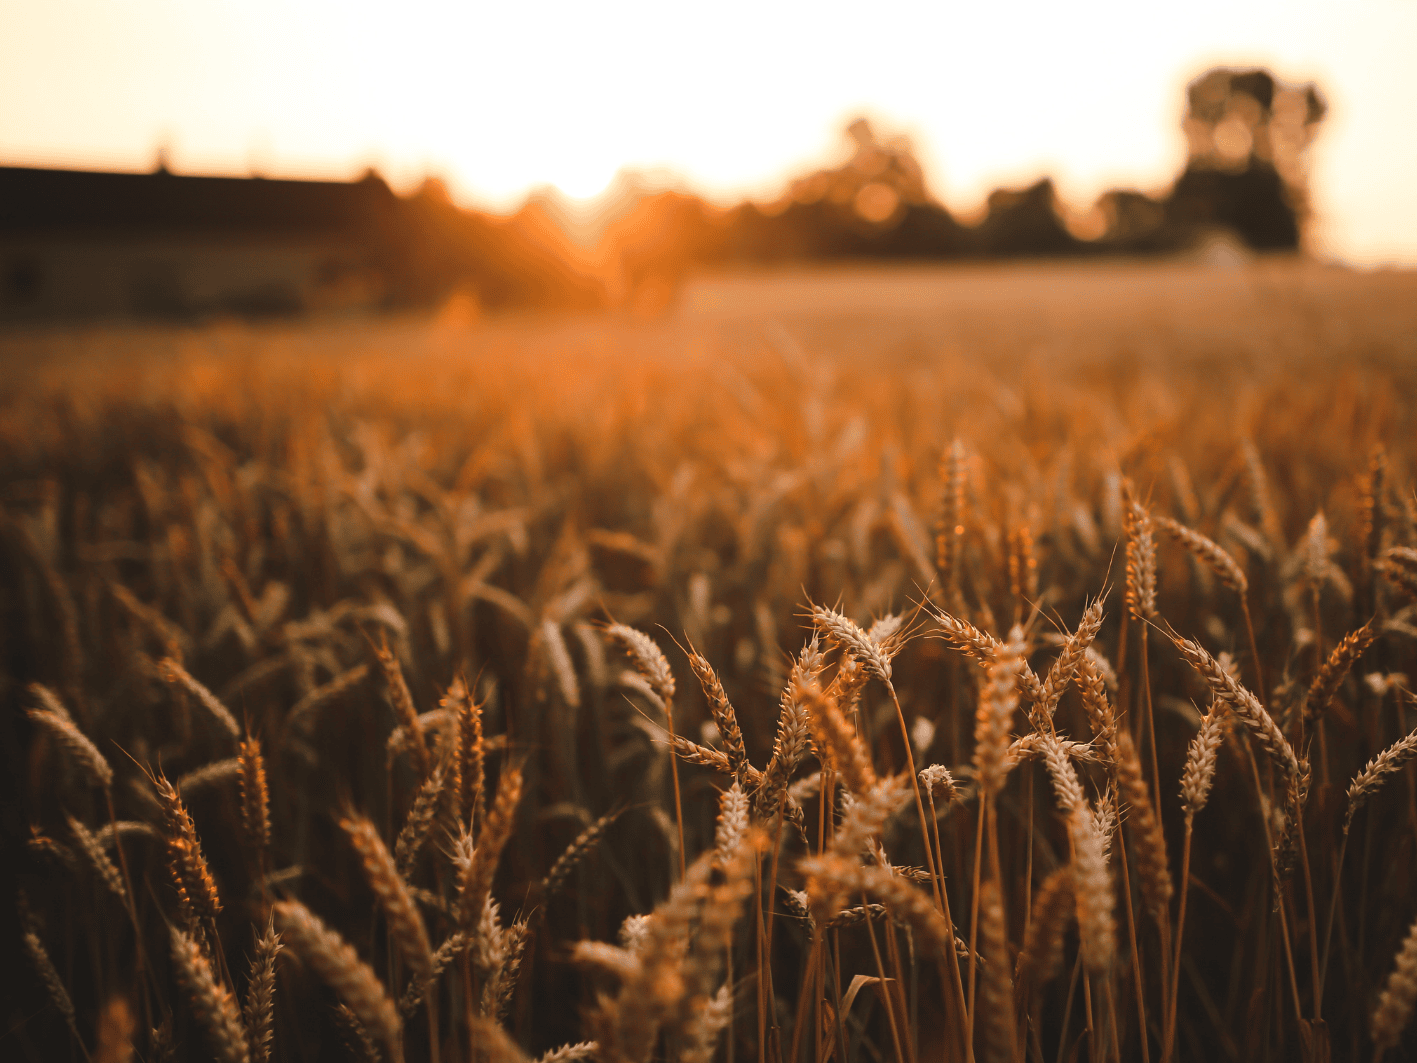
(730, 100)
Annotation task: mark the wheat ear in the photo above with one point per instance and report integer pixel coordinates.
(570, 1053)
(1336, 668)
(1141, 562)
(1066, 666)
(190, 874)
(1244, 704)
(1053, 910)
(213, 1003)
(1149, 842)
(951, 528)
(573, 854)
(336, 962)
(402, 701)
(649, 660)
(837, 741)
(475, 874)
(472, 755)
(255, 797)
(405, 922)
(260, 994)
(56, 719)
(53, 984)
(873, 651)
(994, 718)
(1392, 759)
(998, 987)
(1209, 553)
(93, 852)
(1394, 1008)
(723, 715)
(1092, 888)
(422, 817)
(793, 730)
(172, 671)
(703, 1028)
(218, 771)
(1199, 772)
(1063, 774)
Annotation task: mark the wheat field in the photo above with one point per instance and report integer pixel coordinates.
(872, 665)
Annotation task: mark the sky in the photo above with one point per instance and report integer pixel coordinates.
(730, 99)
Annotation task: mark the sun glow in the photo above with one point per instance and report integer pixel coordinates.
(733, 99)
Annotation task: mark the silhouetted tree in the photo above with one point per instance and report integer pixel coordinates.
(1025, 222)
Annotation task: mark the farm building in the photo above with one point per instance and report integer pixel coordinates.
(98, 245)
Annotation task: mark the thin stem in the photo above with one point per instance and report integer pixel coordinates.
(1112, 1021)
(1150, 722)
(808, 981)
(143, 972)
(974, 925)
(674, 769)
(937, 877)
(1132, 934)
(1068, 1006)
(762, 977)
(893, 951)
(1170, 1033)
(951, 961)
(1254, 651)
(1333, 909)
(885, 988)
(1313, 919)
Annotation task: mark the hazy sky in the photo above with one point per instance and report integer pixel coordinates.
(731, 97)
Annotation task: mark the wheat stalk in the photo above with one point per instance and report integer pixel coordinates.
(382, 874)
(1147, 837)
(336, 962)
(195, 887)
(93, 852)
(480, 863)
(1092, 888)
(218, 771)
(1368, 781)
(998, 987)
(422, 817)
(575, 852)
(1210, 553)
(1336, 668)
(213, 1003)
(402, 702)
(994, 718)
(1244, 704)
(1141, 562)
(1053, 910)
(259, 1010)
(838, 744)
(1065, 667)
(56, 719)
(1394, 1008)
(53, 984)
(723, 715)
(171, 670)
(255, 797)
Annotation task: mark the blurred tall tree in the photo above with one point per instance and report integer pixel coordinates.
(1247, 137)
